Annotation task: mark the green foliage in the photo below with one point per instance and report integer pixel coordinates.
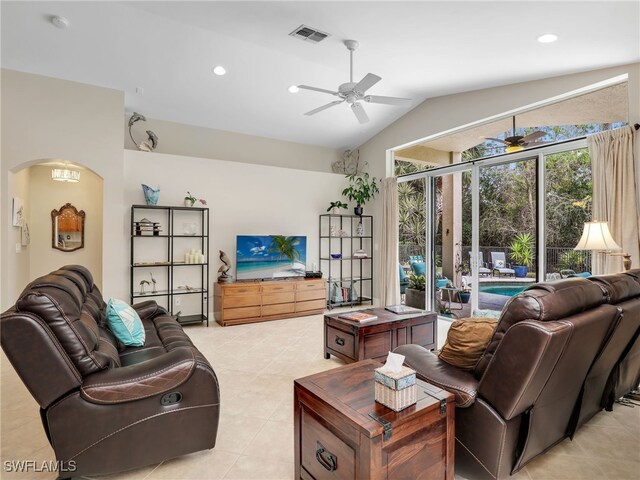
(522, 249)
(336, 204)
(285, 246)
(362, 189)
(417, 282)
(572, 259)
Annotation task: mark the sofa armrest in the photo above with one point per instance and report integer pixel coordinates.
(149, 309)
(157, 375)
(433, 370)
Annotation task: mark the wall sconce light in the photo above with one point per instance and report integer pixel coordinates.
(596, 236)
(146, 145)
(65, 175)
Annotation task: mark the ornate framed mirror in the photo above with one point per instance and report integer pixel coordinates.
(67, 228)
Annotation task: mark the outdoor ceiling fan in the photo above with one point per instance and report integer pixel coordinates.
(516, 143)
(353, 93)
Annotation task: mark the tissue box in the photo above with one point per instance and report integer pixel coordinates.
(396, 390)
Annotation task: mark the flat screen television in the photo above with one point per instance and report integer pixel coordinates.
(260, 257)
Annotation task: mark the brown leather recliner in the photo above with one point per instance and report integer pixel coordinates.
(520, 398)
(105, 407)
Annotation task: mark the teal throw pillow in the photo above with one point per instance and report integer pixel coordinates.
(419, 268)
(124, 322)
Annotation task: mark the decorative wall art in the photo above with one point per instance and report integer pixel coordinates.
(26, 238)
(18, 212)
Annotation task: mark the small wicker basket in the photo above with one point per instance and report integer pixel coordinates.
(396, 390)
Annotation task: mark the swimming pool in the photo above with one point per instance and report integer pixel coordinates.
(506, 290)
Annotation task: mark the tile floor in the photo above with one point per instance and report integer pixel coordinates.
(256, 365)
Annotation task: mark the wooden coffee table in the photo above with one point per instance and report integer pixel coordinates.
(341, 432)
(352, 341)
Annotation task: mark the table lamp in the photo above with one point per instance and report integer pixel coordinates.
(596, 236)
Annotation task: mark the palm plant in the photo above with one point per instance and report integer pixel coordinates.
(285, 247)
(522, 249)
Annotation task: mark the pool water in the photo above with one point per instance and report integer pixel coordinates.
(506, 290)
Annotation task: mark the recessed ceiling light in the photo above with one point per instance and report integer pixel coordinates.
(547, 38)
(294, 89)
(219, 70)
(60, 22)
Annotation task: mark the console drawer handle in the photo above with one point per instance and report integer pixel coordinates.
(340, 341)
(327, 459)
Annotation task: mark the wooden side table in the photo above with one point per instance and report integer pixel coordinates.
(352, 341)
(341, 432)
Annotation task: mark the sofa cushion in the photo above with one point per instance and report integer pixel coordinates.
(419, 268)
(125, 323)
(466, 341)
(618, 287)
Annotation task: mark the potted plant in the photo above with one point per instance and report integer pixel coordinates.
(464, 295)
(361, 190)
(522, 254)
(190, 200)
(415, 292)
(334, 207)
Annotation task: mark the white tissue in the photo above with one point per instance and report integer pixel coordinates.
(394, 363)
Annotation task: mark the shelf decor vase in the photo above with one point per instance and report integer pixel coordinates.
(188, 202)
(360, 230)
(150, 194)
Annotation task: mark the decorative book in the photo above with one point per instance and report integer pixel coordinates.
(358, 316)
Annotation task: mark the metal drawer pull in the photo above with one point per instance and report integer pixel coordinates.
(340, 341)
(327, 459)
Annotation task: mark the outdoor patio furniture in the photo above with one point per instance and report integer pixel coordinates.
(404, 281)
(415, 258)
(499, 263)
(482, 266)
(419, 268)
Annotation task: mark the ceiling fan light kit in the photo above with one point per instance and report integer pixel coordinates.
(354, 93)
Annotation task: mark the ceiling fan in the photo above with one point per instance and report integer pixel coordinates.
(353, 93)
(515, 143)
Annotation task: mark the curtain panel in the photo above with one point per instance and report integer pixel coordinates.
(615, 194)
(390, 291)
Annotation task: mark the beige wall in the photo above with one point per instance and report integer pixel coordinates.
(45, 118)
(192, 141)
(46, 195)
(15, 265)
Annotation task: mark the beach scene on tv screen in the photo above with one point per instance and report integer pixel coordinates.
(270, 256)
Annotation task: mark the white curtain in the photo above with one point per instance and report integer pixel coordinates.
(390, 291)
(615, 194)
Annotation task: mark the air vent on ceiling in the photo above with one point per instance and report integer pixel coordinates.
(309, 34)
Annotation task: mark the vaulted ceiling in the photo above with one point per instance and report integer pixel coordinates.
(161, 55)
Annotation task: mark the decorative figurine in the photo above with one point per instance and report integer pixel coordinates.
(224, 277)
(153, 281)
(333, 231)
(360, 230)
(142, 284)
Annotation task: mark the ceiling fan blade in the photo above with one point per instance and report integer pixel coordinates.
(533, 136)
(497, 140)
(387, 100)
(366, 83)
(534, 144)
(359, 112)
(315, 89)
(324, 107)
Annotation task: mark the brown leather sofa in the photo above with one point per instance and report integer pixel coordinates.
(108, 408)
(528, 388)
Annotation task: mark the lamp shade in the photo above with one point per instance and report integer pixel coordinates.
(596, 236)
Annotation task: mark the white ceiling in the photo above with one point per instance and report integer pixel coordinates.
(420, 49)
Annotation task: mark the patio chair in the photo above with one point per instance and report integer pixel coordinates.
(499, 264)
(482, 266)
(415, 258)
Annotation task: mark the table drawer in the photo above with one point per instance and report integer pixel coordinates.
(323, 454)
(285, 297)
(311, 305)
(310, 295)
(278, 309)
(341, 342)
(241, 289)
(242, 301)
(311, 285)
(283, 287)
(242, 312)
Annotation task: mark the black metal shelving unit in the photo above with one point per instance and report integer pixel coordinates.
(349, 278)
(167, 217)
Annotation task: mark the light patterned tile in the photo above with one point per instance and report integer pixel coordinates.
(260, 468)
(209, 464)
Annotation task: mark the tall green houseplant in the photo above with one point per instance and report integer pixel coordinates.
(522, 253)
(361, 190)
